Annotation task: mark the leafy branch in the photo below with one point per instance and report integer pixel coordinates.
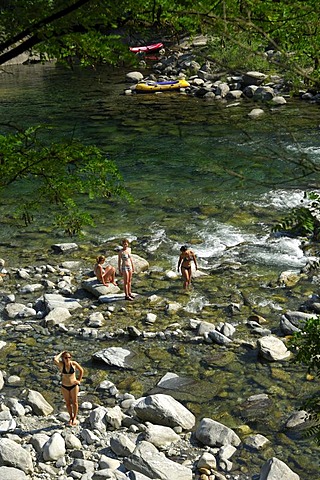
(60, 174)
(306, 345)
(303, 220)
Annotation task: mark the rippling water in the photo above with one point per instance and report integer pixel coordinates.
(201, 173)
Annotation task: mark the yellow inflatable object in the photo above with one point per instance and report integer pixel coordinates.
(161, 86)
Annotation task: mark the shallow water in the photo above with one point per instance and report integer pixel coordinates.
(201, 173)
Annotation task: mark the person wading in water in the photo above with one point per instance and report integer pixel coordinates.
(185, 259)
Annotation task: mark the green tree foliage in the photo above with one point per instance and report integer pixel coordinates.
(303, 220)
(306, 345)
(59, 174)
(98, 31)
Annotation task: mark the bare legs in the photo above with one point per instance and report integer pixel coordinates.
(186, 273)
(71, 400)
(109, 275)
(127, 277)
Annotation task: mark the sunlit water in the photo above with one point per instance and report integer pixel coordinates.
(201, 174)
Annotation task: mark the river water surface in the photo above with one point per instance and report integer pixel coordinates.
(201, 173)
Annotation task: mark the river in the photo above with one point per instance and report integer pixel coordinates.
(201, 173)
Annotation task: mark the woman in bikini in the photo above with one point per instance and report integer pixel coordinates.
(185, 259)
(126, 268)
(104, 275)
(69, 383)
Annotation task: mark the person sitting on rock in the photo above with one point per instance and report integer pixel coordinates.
(104, 275)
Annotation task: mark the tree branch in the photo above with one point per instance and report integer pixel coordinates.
(42, 23)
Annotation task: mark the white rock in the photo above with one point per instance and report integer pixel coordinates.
(212, 433)
(256, 113)
(275, 469)
(39, 404)
(149, 461)
(160, 436)
(272, 348)
(11, 473)
(54, 448)
(164, 410)
(207, 460)
(13, 455)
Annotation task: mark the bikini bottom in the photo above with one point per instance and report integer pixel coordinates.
(69, 387)
(187, 268)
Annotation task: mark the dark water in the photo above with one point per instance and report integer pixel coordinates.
(201, 173)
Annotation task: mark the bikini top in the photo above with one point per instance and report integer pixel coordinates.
(188, 258)
(71, 371)
(125, 256)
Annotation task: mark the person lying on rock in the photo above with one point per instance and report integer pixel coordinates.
(104, 275)
(69, 383)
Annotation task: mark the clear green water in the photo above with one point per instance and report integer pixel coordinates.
(200, 173)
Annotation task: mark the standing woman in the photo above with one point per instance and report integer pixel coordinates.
(126, 268)
(104, 275)
(185, 259)
(69, 383)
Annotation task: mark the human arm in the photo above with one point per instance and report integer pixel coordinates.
(99, 273)
(80, 370)
(119, 262)
(179, 263)
(195, 260)
(57, 360)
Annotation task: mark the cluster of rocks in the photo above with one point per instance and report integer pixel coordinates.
(152, 437)
(209, 83)
(56, 304)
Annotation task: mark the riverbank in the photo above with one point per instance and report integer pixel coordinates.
(177, 155)
(47, 306)
(206, 79)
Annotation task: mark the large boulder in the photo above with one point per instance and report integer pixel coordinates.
(39, 404)
(54, 448)
(7, 423)
(273, 349)
(56, 316)
(160, 436)
(253, 78)
(275, 469)
(13, 455)
(164, 410)
(115, 357)
(134, 77)
(140, 264)
(94, 286)
(64, 247)
(294, 321)
(147, 460)
(215, 434)
(54, 300)
(11, 473)
(18, 310)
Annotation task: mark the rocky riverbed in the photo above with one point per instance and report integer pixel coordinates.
(139, 418)
(207, 80)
